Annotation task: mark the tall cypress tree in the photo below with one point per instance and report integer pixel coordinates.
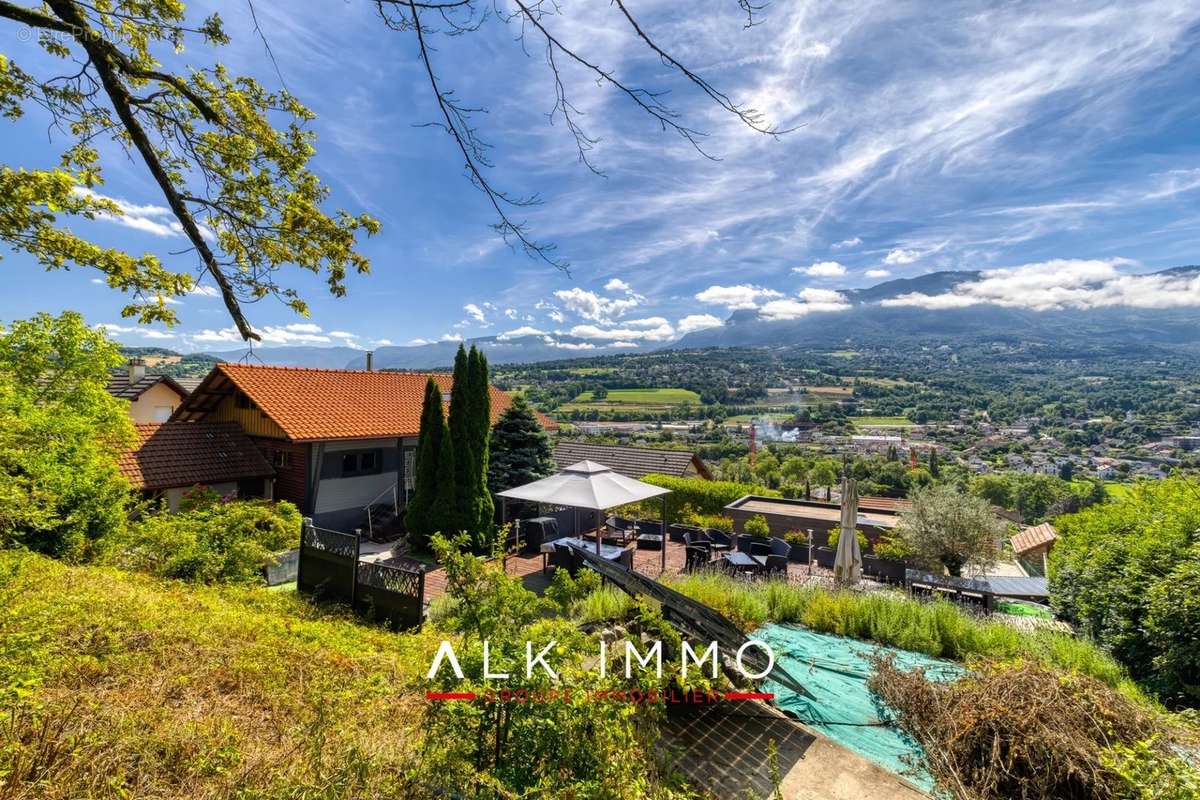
(419, 517)
(462, 515)
(484, 507)
(448, 500)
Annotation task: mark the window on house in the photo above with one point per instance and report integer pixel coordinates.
(281, 459)
(363, 462)
(242, 401)
(162, 413)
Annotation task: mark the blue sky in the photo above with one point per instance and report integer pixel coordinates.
(1029, 138)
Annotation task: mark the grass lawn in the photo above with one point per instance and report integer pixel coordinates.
(882, 422)
(639, 397)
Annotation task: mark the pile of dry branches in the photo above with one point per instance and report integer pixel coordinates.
(1016, 731)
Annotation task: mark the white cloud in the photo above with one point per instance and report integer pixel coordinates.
(878, 273)
(743, 295)
(524, 330)
(617, 285)
(901, 256)
(552, 342)
(382, 342)
(343, 335)
(294, 333)
(651, 329)
(99, 281)
(201, 290)
(419, 341)
(590, 305)
(1063, 284)
(624, 344)
(822, 269)
(511, 313)
(110, 328)
(854, 241)
(811, 301)
(450, 336)
(557, 316)
(475, 313)
(698, 322)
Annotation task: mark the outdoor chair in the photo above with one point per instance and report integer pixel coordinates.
(758, 549)
(776, 565)
(719, 539)
(676, 531)
(697, 539)
(566, 558)
(695, 558)
(780, 547)
(619, 529)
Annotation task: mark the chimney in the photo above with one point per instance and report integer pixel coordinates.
(137, 369)
(370, 361)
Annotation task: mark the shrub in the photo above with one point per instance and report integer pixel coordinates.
(565, 591)
(603, 605)
(892, 546)
(1126, 574)
(718, 522)
(208, 541)
(835, 536)
(757, 526)
(704, 497)
(796, 537)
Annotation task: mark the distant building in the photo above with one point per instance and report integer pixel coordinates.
(1032, 547)
(152, 398)
(633, 462)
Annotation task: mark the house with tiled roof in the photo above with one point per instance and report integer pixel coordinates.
(152, 398)
(340, 441)
(633, 462)
(1032, 545)
(173, 458)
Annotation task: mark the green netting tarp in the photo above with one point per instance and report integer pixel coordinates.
(835, 670)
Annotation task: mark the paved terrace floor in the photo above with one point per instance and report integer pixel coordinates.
(647, 562)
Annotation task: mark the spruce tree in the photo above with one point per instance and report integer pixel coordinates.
(461, 516)
(520, 451)
(420, 518)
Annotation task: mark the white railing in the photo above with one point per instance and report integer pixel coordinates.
(370, 507)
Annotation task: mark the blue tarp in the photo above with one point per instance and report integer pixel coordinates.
(835, 670)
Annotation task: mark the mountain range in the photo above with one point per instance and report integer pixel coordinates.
(882, 315)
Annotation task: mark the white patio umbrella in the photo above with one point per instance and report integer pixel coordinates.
(847, 564)
(592, 486)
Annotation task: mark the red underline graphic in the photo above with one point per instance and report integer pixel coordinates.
(449, 695)
(749, 696)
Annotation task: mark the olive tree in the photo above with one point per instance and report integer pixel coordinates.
(948, 528)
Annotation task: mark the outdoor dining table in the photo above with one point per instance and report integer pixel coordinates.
(744, 562)
(608, 552)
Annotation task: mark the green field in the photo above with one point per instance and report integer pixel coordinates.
(882, 422)
(640, 397)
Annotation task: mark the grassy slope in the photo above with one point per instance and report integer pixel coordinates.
(121, 684)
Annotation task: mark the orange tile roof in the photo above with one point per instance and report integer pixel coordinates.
(180, 454)
(322, 404)
(1032, 537)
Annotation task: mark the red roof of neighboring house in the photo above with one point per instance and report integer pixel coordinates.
(176, 454)
(1033, 537)
(321, 404)
(119, 385)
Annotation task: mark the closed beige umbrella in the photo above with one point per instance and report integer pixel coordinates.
(847, 564)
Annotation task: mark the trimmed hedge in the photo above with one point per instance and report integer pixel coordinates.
(701, 496)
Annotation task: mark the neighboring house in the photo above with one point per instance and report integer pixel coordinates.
(1032, 548)
(633, 462)
(173, 458)
(340, 440)
(152, 398)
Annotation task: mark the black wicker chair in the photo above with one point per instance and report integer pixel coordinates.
(696, 558)
(720, 540)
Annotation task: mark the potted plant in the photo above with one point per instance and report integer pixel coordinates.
(799, 542)
(754, 529)
(889, 561)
